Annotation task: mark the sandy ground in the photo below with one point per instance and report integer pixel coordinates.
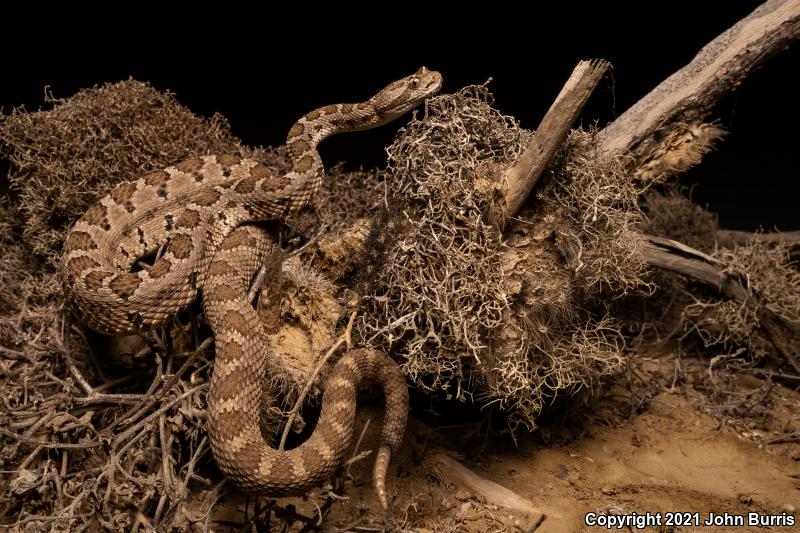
(662, 437)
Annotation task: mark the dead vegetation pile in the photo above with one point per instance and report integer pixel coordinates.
(508, 320)
(86, 438)
(670, 213)
(773, 292)
(764, 268)
(63, 156)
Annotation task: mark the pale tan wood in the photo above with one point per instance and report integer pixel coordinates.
(521, 178)
(681, 259)
(444, 467)
(657, 133)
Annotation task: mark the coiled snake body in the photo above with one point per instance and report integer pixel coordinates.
(195, 210)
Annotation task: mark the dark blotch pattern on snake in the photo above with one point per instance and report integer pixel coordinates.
(193, 212)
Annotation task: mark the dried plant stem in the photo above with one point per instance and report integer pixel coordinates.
(673, 113)
(76, 374)
(686, 261)
(52, 445)
(526, 171)
(681, 259)
(261, 275)
(356, 455)
(343, 338)
(155, 393)
(192, 465)
(122, 437)
(166, 471)
(444, 467)
(731, 239)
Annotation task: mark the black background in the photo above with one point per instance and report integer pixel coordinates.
(263, 70)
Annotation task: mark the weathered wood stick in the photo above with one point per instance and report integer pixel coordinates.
(665, 132)
(523, 176)
(681, 259)
(729, 238)
(441, 465)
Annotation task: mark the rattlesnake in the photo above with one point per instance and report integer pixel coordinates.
(196, 213)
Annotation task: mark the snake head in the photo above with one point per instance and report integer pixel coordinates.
(405, 94)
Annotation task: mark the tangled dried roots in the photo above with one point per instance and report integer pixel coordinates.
(444, 284)
(473, 314)
(596, 217)
(773, 285)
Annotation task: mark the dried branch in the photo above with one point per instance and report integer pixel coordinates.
(730, 239)
(664, 132)
(447, 469)
(681, 259)
(345, 338)
(523, 176)
(122, 437)
(52, 445)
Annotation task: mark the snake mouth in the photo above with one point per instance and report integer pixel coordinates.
(434, 84)
(431, 80)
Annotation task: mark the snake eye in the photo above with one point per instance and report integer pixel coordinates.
(414, 83)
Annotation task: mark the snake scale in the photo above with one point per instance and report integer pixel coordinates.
(195, 215)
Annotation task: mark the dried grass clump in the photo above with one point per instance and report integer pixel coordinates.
(30, 295)
(344, 198)
(578, 246)
(64, 156)
(672, 215)
(773, 286)
(472, 313)
(597, 218)
(443, 281)
(87, 442)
